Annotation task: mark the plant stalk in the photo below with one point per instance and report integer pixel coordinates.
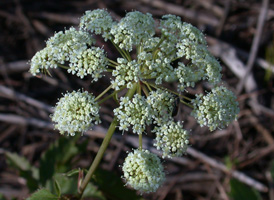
(102, 149)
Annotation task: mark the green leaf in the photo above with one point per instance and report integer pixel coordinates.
(57, 158)
(68, 186)
(17, 161)
(57, 188)
(112, 186)
(43, 194)
(240, 191)
(27, 171)
(72, 172)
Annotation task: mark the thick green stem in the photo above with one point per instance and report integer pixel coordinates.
(102, 149)
(98, 157)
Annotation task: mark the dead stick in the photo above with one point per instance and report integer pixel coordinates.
(255, 45)
(11, 94)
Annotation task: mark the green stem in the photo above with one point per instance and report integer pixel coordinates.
(98, 157)
(140, 141)
(177, 94)
(145, 90)
(104, 92)
(113, 62)
(102, 149)
(160, 42)
(63, 66)
(189, 105)
(148, 86)
(111, 95)
(121, 51)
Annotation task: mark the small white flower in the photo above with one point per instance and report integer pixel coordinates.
(143, 171)
(98, 21)
(132, 29)
(92, 62)
(135, 112)
(162, 104)
(41, 61)
(216, 109)
(126, 73)
(76, 112)
(171, 138)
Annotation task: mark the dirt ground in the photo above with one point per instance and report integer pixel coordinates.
(239, 33)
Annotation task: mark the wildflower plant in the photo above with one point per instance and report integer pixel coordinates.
(147, 63)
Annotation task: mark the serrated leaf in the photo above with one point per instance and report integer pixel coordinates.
(112, 186)
(240, 191)
(68, 186)
(57, 157)
(43, 194)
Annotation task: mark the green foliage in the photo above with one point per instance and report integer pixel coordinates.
(240, 191)
(112, 186)
(55, 183)
(43, 194)
(30, 173)
(56, 157)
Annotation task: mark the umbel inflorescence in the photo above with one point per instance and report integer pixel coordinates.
(148, 61)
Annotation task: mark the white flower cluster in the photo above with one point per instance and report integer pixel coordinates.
(190, 43)
(179, 53)
(135, 112)
(143, 171)
(162, 104)
(76, 112)
(97, 21)
(42, 61)
(92, 62)
(62, 47)
(134, 28)
(171, 138)
(125, 73)
(216, 109)
(156, 65)
(73, 47)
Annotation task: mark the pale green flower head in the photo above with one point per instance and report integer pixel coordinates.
(98, 21)
(135, 112)
(42, 61)
(202, 66)
(91, 62)
(61, 48)
(76, 112)
(192, 33)
(126, 73)
(143, 171)
(156, 65)
(171, 138)
(134, 28)
(162, 103)
(68, 44)
(217, 109)
(170, 26)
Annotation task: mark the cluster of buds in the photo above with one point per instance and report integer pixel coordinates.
(177, 53)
